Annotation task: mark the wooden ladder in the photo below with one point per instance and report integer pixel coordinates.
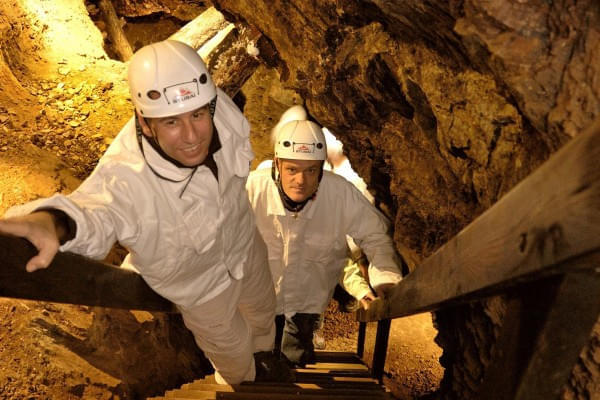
(335, 375)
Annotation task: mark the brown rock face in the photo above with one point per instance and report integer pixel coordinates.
(439, 137)
(442, 108)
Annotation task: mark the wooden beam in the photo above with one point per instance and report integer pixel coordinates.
(547, 220)
(201, 29)
(74, 279)
(565, 333)
(547, 325)
(115, 31)
(224, 47)
(527, 308)
(360, 341)
(380, 350)
(228, 59)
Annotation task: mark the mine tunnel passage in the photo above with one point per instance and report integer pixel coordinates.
(64, 98)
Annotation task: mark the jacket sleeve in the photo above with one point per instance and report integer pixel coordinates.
(369, 229)
(353, 281)
(101, 210)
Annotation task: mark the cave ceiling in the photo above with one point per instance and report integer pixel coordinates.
(442, 106)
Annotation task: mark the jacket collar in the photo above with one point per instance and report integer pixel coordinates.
(232, 158)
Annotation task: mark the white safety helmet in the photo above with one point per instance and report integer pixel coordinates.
(301, 140)
(169, 78)
(294, 113)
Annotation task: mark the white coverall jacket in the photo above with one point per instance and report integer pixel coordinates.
(189, 249)
(308, 250)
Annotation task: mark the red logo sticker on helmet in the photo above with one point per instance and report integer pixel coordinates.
(303, 148)
(182, 92)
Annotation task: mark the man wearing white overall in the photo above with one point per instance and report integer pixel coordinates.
(170, 189)
(304, 214)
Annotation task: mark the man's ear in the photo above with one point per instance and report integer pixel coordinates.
(144, 125)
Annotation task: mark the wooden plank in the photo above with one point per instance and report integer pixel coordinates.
(286, 396)
(74, 279)
(201, 29)
(323, 356)
(527, 308)
(191, 394)
(549, 218)
(362, 334)
(380, 350)
(328, 373)
(546, 326)
(223, 47)
(115, 31)
(337, 366)
(230, 64)
(282, 387)
(330, 378)
(566, 332)
(290, 390)
(336, 382)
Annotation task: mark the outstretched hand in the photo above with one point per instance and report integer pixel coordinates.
(40, 230)
(366, 300)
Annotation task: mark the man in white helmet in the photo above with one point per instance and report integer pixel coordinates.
(304, 214)
(170, 189)
(353, 290)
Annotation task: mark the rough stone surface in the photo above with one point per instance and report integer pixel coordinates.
(442, 108)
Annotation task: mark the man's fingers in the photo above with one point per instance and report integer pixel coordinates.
(365, 303)
(38, 229)
(37, 262)
(367, 299)
(47, 251)
(33, 265)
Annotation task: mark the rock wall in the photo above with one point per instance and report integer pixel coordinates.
(442, 108)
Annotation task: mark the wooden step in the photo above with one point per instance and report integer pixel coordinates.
(274, 386)
(334, 376)
(287, 393)
(337, 366)
(290, 389)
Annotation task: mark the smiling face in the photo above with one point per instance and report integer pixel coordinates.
(299, 178)
(183, 137)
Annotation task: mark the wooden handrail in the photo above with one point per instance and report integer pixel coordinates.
(545, 224)
(74, 279)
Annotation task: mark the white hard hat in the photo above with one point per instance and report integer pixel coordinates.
(169, 78)
(294, 113)
(301, 140)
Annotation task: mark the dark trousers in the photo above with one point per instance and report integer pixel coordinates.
(294, 337)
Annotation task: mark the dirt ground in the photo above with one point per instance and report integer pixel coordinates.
(60, 107)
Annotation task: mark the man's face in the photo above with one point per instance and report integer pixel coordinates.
(299, 178)
(183, 137)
